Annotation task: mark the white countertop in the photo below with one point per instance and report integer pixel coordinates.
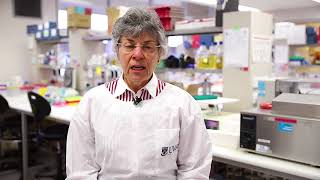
(219, 100)
(63, 114)
(266, 162)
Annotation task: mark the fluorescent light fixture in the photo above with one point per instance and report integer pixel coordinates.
(78, 2)
(247, 8)
(318, 1)
(175, 41)
(214, 3)
(105, 42)
(62, 19)
(99, 22)
(204, 2)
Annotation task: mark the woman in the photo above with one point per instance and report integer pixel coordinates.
(137, 126)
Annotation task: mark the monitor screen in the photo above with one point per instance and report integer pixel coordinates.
(28, 8)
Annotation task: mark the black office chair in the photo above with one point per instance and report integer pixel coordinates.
(56, 133)
(10, 132)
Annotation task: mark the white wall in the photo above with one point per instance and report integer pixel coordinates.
(14, 57)
(298, 15)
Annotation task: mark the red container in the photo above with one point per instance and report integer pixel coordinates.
(167, 23)
(265, 105)
(167, 11)
(87, 11)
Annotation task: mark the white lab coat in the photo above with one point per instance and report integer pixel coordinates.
(160, 138)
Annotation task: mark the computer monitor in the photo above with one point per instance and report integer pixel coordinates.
(28, 8)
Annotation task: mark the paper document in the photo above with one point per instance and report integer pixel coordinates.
(281, 54)
(236, 47)
(261, 46)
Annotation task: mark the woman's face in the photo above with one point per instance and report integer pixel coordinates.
(138, 58)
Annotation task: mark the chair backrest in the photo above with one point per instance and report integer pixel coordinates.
(4, 106)
(39, 105)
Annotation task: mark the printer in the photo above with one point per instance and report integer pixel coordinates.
(290, 130)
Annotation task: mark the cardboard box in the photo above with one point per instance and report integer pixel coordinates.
(71, 10)
(113, 14)
(88, 11)
(79, 10)
(79, 21)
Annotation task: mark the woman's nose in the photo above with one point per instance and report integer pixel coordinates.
(138, 52)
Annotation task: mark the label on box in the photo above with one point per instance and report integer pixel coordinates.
(38, 35)
(53, 33)
(45, 33)
(63, 32)
(263, 149)
(40, 27)
(46, 25)
(264, 141)
(285, 127)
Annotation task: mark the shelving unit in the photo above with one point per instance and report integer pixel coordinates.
(90, 44)
(97, 38)
(53, 41)
(210, 30)
(296, 49)
(44, 72)
(188, 70)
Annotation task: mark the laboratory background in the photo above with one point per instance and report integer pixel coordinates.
(252, 65)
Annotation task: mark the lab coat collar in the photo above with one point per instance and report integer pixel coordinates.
(151, 86)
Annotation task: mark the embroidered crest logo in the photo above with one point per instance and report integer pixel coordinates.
(168, 150)
(164, 151)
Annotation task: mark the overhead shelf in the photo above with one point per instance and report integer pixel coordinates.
(54, 41)
(45, 66)
(206, 30)
(308, 69)
(302, 45)
(188, 70)
(97, 37)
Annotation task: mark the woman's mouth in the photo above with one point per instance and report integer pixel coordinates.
(137, 68)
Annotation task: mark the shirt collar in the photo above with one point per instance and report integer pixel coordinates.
(151, 86)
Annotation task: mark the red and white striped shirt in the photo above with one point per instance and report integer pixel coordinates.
(120, 90)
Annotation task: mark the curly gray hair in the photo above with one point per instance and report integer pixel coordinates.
(135, 22)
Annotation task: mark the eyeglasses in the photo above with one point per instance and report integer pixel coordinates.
(146, 48)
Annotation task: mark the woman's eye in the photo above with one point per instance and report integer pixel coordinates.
(129, 46)
(147, 47)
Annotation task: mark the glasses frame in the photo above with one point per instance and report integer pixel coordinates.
(119, 44)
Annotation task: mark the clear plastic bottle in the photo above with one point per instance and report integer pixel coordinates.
(202, 57)
(206, 87)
